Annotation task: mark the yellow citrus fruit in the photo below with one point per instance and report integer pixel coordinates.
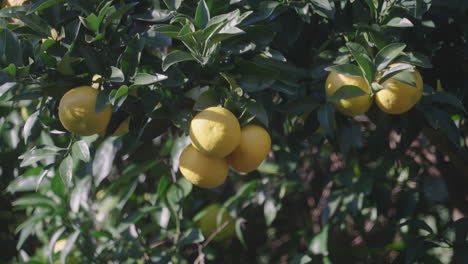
(59, 245)
(209, 223)
(352, 106)
(122, 129)
(254, 146)
(399, 97)
(77, 112)
(215, 132)
(201, 170)
(7, 3)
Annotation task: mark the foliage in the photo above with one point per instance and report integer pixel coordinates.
(377, 188)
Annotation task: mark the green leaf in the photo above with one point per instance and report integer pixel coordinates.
(270, 211)
(25, 233)
(27, 183)
(35, 200)
(176, 57)
(53, 240)
(102, 101)
(104, 158)
(68, 246)
(346, 69)
(43, 4)
(130, 58)
(119, 97)
(301, 259)
(66, 170)
(257, 110)
(91, 22)
(326, 116)
(136, 216)
(117, 75)
(6, 87)
(80, 150)
(173, 4)
(394, 70)
(388, 54)
(445, 98)
(346, 92)
(232, 83)
(147, 79)
(405, 77)
(191, 236)
(319, 244)
(207, 99)
(239, 234)
(300, 105)
(80, 194)
(202, 15)
(399, 22)
(58, 186)
(362, 58)
(32, 119)
(415, 58)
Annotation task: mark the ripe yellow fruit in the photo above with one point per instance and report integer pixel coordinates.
(208, 224)
(122, 129)
(59, 245)
(215, 132)
(7, 3)
(352, 106)
(399, 97)
(254, 146)
(201, 170)
(77, 112)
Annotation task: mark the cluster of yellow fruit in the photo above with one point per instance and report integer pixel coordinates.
(77, 113)
(217, 142)
(396, 98)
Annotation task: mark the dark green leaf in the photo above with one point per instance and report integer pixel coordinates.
(388, 54)
(43, 4)
(102, 101)
(346, 69)
(445, 98)
(176, 57)
(80, 150)
(257, 110)
(362, 58)
(300, 105)
(58, 186)
(326, 117)
(173, 4)
(202, 15)
(191, 236)
(346, 92)
(136, 216)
